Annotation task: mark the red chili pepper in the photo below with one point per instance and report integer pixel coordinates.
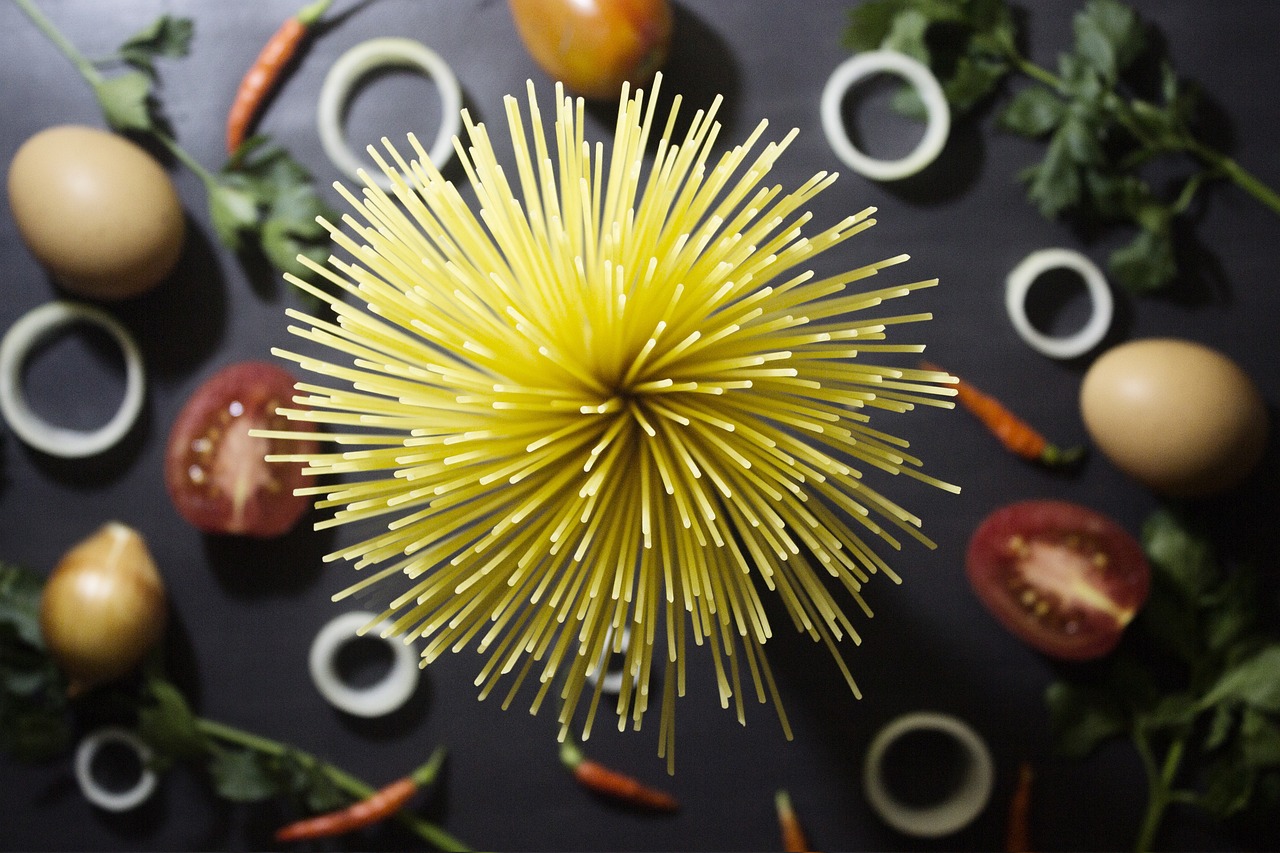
(1018, 835)
(1017, 436)
(793, 837)
(266, 70)
(378, 806)
(595, 776)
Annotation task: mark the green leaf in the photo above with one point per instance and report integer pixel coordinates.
(126, 102)
(167, 723)
(1259, 739)
(870, 22)
(20, 591)
(1108, 37)
(1254, 682)
(974, 79)
(1053, 185)
(243, 776)
(1180, 553)
(1034, 111)
(1221, 727)
(233, 211)
(32, 734)
(1174, 711)
(1229, 787)
(165, 36)
(1082, 718)
(1146, 263)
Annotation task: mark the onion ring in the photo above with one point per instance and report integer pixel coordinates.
(861, 66)
(94, 792)
(28, 332)
(611, 682)
(378, 699)
(355, 64)
(960, 807)
(1025, 274)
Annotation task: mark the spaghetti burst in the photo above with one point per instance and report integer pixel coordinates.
(612, 404)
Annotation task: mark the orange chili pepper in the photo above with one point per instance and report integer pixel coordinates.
(1017, 436)
(266, 70)
(604, 780)
(793, 837)
(378, 806)
(1018, 835)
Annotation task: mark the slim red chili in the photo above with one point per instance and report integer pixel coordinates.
(377, 807)
(1017, 436)
(1018, 834)
(604, 780)
(793, 837)
(265, 72)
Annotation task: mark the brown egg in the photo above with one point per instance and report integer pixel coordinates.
(1176, 415)
(96, 210)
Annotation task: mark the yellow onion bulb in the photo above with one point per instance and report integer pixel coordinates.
(103, 607)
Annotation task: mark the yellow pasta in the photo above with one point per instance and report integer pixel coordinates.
(612, 399)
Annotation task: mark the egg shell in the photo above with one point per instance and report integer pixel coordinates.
(1176, 415)
(96, 210)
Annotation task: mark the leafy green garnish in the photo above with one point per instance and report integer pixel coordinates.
(36, 723)
(1195, 685)
(1099, 130)
(261, 199)
(33, 720)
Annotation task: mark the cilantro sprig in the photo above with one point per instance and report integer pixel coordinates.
(38, 722)
(1100, 133)
(260, 199)
(1195, 686)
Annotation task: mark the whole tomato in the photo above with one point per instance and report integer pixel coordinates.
(594, 46)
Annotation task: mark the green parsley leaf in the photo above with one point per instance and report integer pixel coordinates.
(1254, 682)
(1146, 263)
(1179, 553)
(126, 102)
(1034, 111)
(1082, 718)
(166, 36)
(242, 775)
(167, 723)
(1108, 37)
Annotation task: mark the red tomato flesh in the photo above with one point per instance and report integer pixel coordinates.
(216, 472)
(1063, 578)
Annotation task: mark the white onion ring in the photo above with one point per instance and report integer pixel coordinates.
(861, 66)
(953, 813)
(115, 801)
(29, 331)
(355, 64)
(378, 699)
(1025, 274)
(612, 681)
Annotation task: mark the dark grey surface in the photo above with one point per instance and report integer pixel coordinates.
(246, 612)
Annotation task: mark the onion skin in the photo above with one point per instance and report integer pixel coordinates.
(103, 607)
(594, 46)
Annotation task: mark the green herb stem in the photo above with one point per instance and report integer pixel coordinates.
(353, 786)
(82, 64)
(1160, 788)
(1237, 174)
(1121, 110)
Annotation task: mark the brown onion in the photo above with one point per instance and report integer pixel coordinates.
(103, 607)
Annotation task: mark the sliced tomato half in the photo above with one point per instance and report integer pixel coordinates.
(216, 472)
(1061, 577)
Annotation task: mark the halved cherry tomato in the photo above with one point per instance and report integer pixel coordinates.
(593, 46)
(215, 470)
(1063, 578)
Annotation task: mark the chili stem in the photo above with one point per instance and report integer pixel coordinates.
(348, 783)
